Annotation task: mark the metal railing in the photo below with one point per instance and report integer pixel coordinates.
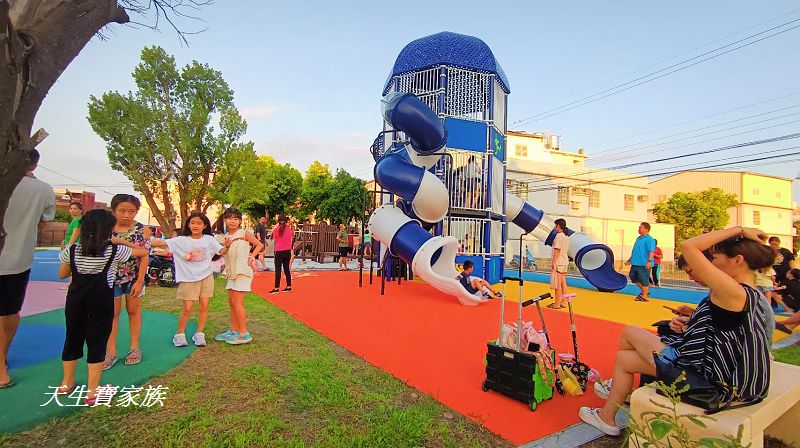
(463, 175)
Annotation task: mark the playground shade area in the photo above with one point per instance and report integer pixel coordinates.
(433, 343)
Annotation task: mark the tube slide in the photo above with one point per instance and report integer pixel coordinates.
(432, 258)
(595, 261)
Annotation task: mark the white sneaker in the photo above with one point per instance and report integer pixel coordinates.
(602, 389)
(179, 340)
(591, 417)
(199, 339)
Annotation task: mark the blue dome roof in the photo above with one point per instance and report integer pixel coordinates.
(446, 48)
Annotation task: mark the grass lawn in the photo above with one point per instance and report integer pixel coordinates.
(291, 387)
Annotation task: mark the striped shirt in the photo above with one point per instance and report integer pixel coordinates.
(738, 351)
(95, 265)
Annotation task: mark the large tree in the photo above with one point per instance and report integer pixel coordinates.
(695, 213)
(259, 186)
(38, 40)
(162, 136)
(345, 200)
(317, 187)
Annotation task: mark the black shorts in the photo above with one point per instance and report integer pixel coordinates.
(12, 292)
(343, 251)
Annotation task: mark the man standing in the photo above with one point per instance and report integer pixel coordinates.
(560, 263)
(261, 234)
(642, 260)
(783, 267)
(31, 202)
(344, 247)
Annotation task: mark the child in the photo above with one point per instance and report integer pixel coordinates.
(129, 283)
(344, 247)
(282, 235)
(239, 266)
(192, 253)
(92, 263)
(475, 284)
(765, 282)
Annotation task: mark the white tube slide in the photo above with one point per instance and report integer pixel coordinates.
(442, 274)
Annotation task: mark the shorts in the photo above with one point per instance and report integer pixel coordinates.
(124, 289)
(555, 278)
(240, 283)
(669, 353)
(343, 251)
(639, 275)
(195, 290)
(12, 292)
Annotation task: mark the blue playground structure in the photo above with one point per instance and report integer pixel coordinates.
(441, 164)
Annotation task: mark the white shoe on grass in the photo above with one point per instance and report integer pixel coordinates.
(179, 340)
(591, 416)
(199, 339)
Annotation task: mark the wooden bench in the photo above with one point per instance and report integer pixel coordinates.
(778, 416)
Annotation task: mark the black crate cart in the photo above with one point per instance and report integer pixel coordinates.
(515, 373)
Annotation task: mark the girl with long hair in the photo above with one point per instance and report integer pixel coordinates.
(129, 284)
(282, 235)
(239, 271)
(192, 253)
(92, 264)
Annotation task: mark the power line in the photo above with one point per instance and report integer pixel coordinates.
(594, 145)
(73, 179)
(723, 148)
(698, 129)
(614, 91)
(675, 56)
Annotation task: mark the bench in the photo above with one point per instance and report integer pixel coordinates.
(778, 416)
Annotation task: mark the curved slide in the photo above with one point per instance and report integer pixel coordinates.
(595, 261)
(404, 172)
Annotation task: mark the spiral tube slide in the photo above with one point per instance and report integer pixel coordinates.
(432, 258)
(595, 261)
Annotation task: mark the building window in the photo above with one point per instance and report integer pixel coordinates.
(756, 218)
(563, 195)
(777, 194)
(628, 202)
(521, 151)
(594, 198)
(755, 191)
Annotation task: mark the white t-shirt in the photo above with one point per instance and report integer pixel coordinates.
(561, 242)
(32, 201)
(94, 265)
(202, 249)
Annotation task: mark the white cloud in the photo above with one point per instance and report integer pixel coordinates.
(252, 113)
(349, 152)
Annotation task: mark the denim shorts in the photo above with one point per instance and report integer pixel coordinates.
(124, 289)
(669, 353)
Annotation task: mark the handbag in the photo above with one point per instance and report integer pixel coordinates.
(702, 392)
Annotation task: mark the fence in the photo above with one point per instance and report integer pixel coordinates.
(51, 234)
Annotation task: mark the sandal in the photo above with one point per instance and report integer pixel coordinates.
(109, 361)
(134, 357)
(275, 291)
(7, 385)
(639, 298)
(553, 306)
(66, 390)
(90, 401)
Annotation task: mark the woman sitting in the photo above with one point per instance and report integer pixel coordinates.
(729, 320)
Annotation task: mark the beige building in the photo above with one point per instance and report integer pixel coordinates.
(606, 205)
(146, 216)
(764, 201)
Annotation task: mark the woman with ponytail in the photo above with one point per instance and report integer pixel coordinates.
(282, 235)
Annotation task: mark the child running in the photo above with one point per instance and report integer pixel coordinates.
(282, 235)
(129, 284)
(475, 284)
(192, 253)
(239, 262)
(89, 311)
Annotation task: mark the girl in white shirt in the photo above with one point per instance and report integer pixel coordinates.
(192, 253)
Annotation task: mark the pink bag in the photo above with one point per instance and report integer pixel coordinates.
(529, 335)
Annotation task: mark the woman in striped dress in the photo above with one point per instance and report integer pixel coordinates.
(729, 320)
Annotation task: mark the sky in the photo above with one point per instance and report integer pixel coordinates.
(308, 78)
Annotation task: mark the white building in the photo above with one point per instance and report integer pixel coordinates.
(607, 205)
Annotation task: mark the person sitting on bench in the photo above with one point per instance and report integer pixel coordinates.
(475, 284)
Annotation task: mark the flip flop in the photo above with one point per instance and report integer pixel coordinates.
(553, 306)
(7, 385)
(641, 299)
(133, 357)
(66, 390)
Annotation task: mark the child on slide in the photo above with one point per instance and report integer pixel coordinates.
(475, 284)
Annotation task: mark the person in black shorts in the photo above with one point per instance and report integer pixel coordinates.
(475, 284)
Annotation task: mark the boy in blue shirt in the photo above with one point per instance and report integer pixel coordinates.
(642, 260)
(475, 284)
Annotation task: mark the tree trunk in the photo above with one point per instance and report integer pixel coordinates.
(38, 40)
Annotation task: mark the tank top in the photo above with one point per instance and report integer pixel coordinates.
(237, 255)
(737, 356)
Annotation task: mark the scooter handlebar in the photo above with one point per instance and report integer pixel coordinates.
(529, 302)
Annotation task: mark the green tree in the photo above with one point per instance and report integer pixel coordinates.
(162, 137)
(269, 188)
(695, 213)
(346, 199)
(317, 187)
(38, 40)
